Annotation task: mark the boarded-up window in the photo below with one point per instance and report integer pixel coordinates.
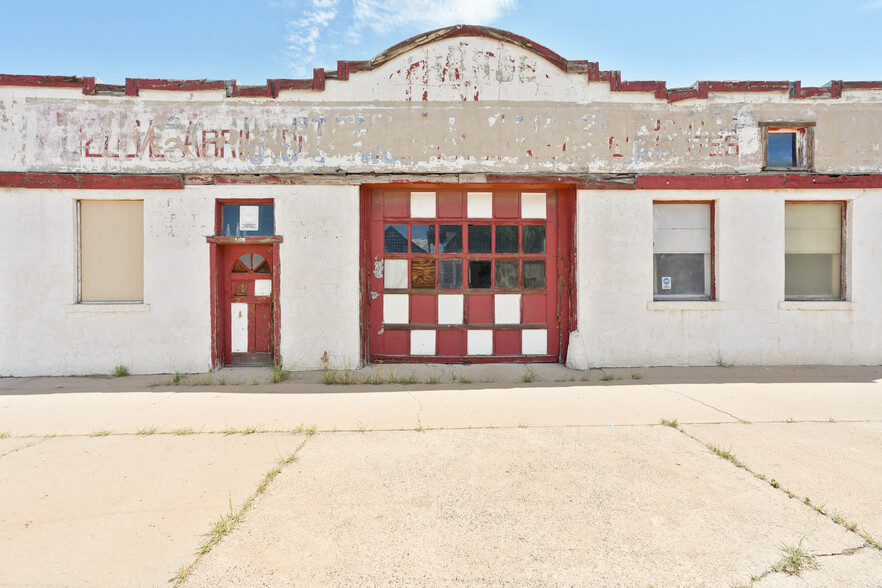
(813, 250)
(111, 250)
(682, 251)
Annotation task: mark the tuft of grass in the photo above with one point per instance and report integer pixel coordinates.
(607, 377)
(586, 377)
(205, 380)
(183, 431)
(280, 374)
(418, 429)
(744, 422)
(4, 434)
(120, 371)
(361, 427)
(344, 376)
(872, 542)
(790, 420)
(178, 377)
(255, 382)
(775, 483)
(394, 378)
(223, 380)
(433, 379)
(636, 375)
(670, 423)
(461, 379)
(727, 455)
(522, 426)
(100, 433)
(146, 431)
(721, 362)
(155, 384)
(528, 375)
(796, 559)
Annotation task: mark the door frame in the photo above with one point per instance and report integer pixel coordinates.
(566, 258)
(216, 253)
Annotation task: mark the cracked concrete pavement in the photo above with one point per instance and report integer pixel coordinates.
(564, 480)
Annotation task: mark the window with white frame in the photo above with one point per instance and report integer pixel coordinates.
(111, 252)
(813, 236)
(682, 236)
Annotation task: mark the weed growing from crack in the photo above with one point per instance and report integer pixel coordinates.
(280, 374)
(4, 434)
(100, 433)
(205, 380)
(528, 375)
(607, 378)
(586, 377)
(670, 423)
(394, 378)
(796, 559)
(183, 431)
(727, 455)
(120, 371)
(361, 427)
(636, 375)
(146, 431)
(433, 379)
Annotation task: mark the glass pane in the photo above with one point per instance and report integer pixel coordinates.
(232, 227)
(534, 238)
(811, 276)
(263, 268)
(506, 273)
(257, 259)
(395, 239)
(451, 238)
(782, 150)
(680, 274)
(239, 267)
(450, 274)
(534, 273)
(422, 239)
(479, 239)
(479, 273)
(422, 273)
(506, 239)
(245, 260)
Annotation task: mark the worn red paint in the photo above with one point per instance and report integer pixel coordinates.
(91, 181)
(757, 182)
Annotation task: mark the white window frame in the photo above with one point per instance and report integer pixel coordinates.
(709, 293)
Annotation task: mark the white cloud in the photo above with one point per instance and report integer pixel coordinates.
(305, 32)
(872, 5)
(383, 16)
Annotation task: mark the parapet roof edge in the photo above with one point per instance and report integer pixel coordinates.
(233, 89)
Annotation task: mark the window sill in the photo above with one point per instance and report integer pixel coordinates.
(685, 305)
(107, 307)
(841, 305)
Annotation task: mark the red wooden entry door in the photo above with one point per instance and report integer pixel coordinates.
(248, 302)
(461, 275)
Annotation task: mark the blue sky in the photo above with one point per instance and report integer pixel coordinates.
(679, 41)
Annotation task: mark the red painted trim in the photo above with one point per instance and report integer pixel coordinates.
(758, 182)
(277, 311)
(345, 68)
(364, 259)
(216, 343)
(466, 359)
(91, 181)
(243, 240)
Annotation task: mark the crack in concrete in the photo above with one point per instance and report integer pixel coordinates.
(420, 411)
(660, 387)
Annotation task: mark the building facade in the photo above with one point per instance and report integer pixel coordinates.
(467, 195)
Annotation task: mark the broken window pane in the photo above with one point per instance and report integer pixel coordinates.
(506, 273)
(479, 239)
(534, 238)
(422, 273)
(451, 239)
(534, 273)
(506, 239)
(479, 273)
(450, 274)
(395, 239)
(422, 239)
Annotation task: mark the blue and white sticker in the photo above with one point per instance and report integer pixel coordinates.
(666, 283)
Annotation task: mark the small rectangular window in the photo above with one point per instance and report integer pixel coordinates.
(813, 250)
(111, 239)
(682, 236)
(787, 145)
(247, 220)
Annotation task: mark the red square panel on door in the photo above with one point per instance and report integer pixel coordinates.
(423, 309)
(397, 204)
(450, 205)
(534, 309)
(506, 205)
(507, 342)
(479, 309)
(396, 342)
(451, 342)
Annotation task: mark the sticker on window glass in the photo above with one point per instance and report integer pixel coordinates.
(249, 218)
(666, 283)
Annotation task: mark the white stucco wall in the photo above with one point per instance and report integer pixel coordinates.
(43, 331)
(619, 324)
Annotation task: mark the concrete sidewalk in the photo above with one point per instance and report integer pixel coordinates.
(441, 475)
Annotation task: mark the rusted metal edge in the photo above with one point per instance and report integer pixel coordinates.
(591, 69)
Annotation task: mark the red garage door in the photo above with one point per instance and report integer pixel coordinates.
(466, 275)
